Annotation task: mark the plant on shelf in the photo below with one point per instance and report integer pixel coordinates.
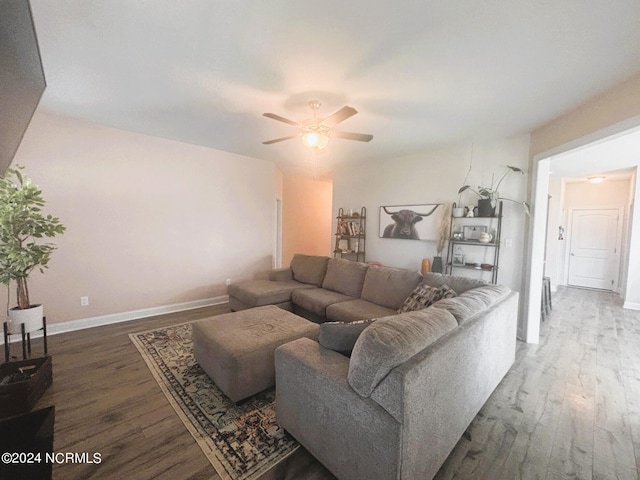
(22, 225)
(491, 194)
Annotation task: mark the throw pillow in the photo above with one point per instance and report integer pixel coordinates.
(424, 296)
(342, 336)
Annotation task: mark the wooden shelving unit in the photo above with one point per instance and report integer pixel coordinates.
(351, 235)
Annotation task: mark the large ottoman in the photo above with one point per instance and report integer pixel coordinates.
(236, 349)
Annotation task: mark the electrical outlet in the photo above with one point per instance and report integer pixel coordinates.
(84, 301)
(228, 282)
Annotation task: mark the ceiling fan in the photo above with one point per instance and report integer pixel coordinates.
(315, 132)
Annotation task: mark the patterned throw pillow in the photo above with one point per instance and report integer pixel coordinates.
(424, 296)
(342, 336)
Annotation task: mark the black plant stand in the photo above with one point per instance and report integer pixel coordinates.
(26, 340)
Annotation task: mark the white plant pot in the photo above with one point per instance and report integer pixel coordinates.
(458, 212)
(31, 317)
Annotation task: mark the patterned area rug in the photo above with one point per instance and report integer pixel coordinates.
(241, 441)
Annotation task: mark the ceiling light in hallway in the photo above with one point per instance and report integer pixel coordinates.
(596, 179)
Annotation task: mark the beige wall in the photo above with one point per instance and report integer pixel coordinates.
(610, 193)
(613, 106)
(306, 217)
(555, 247)
(150, 222)
(435, 177)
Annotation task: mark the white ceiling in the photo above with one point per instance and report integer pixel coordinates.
(422, 73)
(615, 158)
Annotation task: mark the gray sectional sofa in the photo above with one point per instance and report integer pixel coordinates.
(414, 382)
(322, 288)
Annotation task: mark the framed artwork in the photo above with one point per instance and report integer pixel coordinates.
(411, 222)
(458, 258)
(343, 245)
(472, 232)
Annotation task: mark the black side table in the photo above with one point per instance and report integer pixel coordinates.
(28, 433)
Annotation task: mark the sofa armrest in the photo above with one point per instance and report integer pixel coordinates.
(353, 437)
(280, 275)
(439, 391)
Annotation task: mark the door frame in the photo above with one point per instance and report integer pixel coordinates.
(618, 254)
(277, 253)
(529, 324)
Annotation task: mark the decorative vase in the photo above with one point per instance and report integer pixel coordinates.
(31, 317)
(436, 266)
(485, 237)
(426, 266)
(485, 209)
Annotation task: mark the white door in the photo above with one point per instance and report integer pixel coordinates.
(593, 254)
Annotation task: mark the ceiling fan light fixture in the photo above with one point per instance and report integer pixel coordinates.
(317, 140)
(315, 132)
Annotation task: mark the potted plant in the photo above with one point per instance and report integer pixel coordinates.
(490, 195)
(22, 225)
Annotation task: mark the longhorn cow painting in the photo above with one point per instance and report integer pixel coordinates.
(411, 222)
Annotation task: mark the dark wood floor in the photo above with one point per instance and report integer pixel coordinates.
(569, 408)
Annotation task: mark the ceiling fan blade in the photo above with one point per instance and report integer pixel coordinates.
(339, 116)
(276, 140)
(281, 119)
(361, 137)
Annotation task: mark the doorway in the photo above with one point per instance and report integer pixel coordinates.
(594, 248)
(616, 147)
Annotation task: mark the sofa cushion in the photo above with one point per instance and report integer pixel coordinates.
(391, 341)
(280, 274)
(345, 276)
(457, 283)
(316, 300)
(389, 287)
(424, 296)
(309, 269)
(342, 336)
(358, 309)
(472, 302)
(257, 293)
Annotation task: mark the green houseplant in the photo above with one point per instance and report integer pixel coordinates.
(490, 195)
(22, 225)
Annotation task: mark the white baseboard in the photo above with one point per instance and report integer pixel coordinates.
(631, 306)
(81, 324)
